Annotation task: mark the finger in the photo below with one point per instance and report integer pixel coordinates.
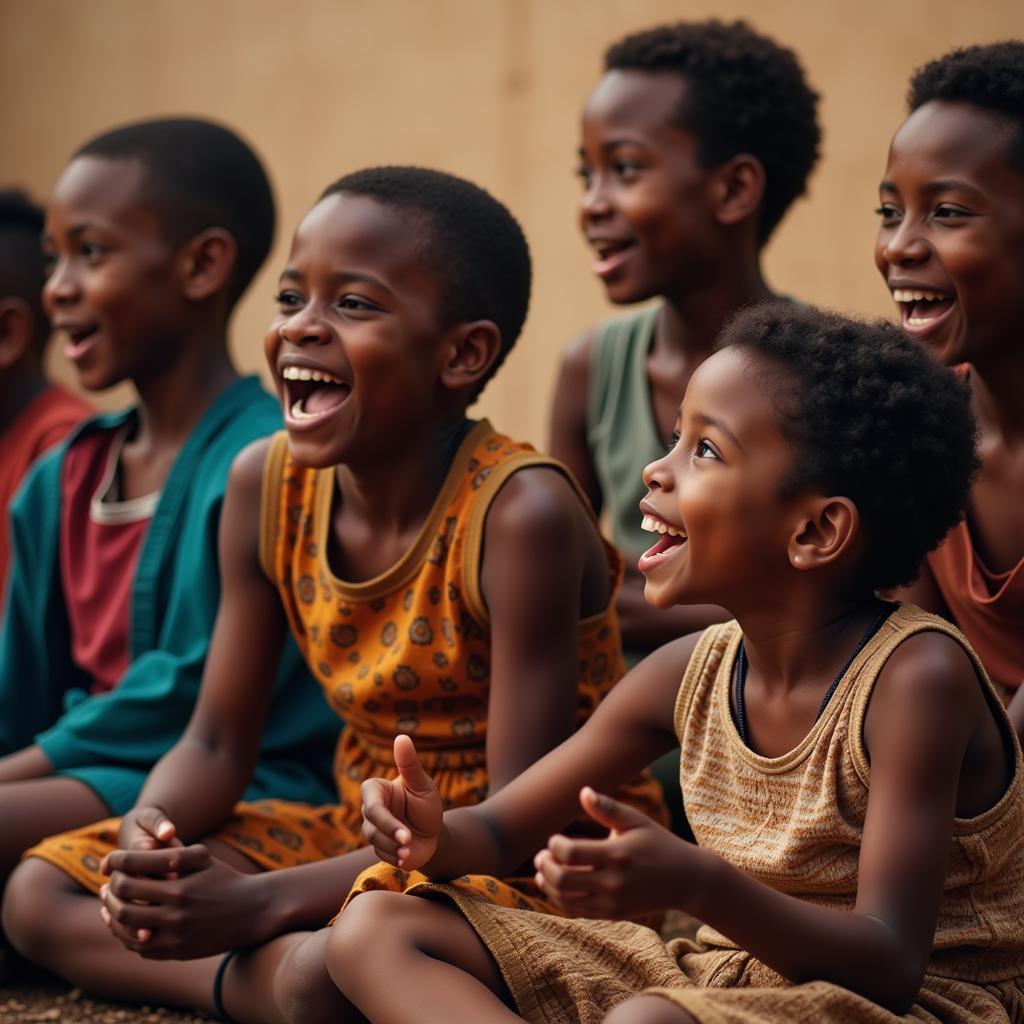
(414, 778)
(555, 877)
(159, 863)
(594, 853)
(141, 889)
(377, 811)
(120, 918)
(156, 823)
(381, 842)
(618, 817)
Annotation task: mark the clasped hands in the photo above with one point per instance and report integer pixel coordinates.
(639, 868)
(168, 901)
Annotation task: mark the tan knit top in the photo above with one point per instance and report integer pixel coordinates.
(795, 822)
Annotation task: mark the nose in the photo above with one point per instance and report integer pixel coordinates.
(902, 245)
(304, 327)
(61, 287)
(658, 475)
(595, 203)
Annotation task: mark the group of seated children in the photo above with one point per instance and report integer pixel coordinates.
(199, 610)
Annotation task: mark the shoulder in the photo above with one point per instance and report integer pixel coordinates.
(245, 478)
(535, 504)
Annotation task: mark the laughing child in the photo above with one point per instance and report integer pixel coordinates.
(34, 414)
(153, 232)
(850, 773)
(951, 248)
(441, 580)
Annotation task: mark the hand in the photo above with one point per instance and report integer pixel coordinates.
(146, 828)
(179, 904)
(639, 868)
(402, 819)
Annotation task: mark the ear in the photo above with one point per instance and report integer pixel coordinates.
(207, 262)
(738, 189)
(828, 528)
(16, 323)
(470, 351)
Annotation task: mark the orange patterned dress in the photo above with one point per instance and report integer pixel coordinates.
(406, 652)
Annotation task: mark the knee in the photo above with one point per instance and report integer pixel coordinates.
(303, 990)
(371, 920)
(648, 1010)
(31, 908)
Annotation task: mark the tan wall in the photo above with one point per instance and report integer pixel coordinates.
(490, 89)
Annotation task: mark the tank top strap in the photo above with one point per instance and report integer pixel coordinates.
(703, 669)
(270, 501)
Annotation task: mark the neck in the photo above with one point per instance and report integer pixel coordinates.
(790, 646)
(395, 491)
(995, 397)
(17, 392)
(173, 400)
(692, 318)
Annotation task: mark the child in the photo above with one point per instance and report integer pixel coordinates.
(694, 144)
(951, 248)
(34, 414)
(853, 781)
(440, 579)
(153, 232)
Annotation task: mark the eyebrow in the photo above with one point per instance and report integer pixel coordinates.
(942, 185)
(291, 274)
(712, 421)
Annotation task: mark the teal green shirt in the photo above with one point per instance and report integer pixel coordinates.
(110, 741)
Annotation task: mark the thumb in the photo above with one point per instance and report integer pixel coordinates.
(611, 813)
(414, 778)
(157, 824)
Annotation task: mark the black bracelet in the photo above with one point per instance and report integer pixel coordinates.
(218, 983)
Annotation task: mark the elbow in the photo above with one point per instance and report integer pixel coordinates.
(895, 986)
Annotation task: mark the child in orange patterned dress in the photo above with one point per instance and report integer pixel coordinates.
(440, 579)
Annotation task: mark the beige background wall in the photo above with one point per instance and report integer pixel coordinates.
(490, 89)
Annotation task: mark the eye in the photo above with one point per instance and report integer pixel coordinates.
(949, 213)
(627, 170)
(288, 299)
(354, 303)
(888, 213)
(706, 450)
(584, 173)
(93, 251)
(673, 440)
(49, 262)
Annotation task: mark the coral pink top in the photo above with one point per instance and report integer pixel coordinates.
(42, 423)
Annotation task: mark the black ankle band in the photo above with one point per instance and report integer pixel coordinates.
(218, 984)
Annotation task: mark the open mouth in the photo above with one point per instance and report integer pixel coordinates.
(611, 255)
(311, 395)
(921, 309)
(80, 341)
(665, 545)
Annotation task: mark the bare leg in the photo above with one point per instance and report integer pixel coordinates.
(37, 808)
(648, 1010)
(401, 958)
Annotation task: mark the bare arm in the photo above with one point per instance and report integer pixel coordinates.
(568, 431)
(30, 763)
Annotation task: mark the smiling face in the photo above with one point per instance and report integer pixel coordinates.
(112, 287)
(356, 348)
(645, 209)
(716, 497)
(951, 241)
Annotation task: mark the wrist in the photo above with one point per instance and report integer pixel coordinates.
(268, 907)
(703, 882)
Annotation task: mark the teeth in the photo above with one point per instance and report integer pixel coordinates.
(304, 373)
(913, 295)
(299, 413)
(652, 525)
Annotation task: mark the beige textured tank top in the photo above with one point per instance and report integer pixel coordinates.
(795, 822)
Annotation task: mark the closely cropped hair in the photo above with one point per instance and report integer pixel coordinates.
(474, 245)
(988, 77)
(199, 175)
(874, 418)
(745, 94)
(22, 266)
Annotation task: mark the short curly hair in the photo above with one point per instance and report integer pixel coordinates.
(22, 265)
(873, 418)
(199, 175)
(474, 245)
(746, 94)
(988, 77)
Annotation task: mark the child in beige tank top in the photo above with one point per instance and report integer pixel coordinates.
(852, 779)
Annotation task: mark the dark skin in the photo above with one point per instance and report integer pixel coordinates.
(953, 223)
(356, 302)
(21, 369)
(785, 567)
(660, 225)
(156, 315)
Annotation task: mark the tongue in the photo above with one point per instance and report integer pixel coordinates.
(665, 542)
(325, 398)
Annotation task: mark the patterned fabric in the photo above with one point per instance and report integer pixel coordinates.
(794, 822)
(407, 652)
